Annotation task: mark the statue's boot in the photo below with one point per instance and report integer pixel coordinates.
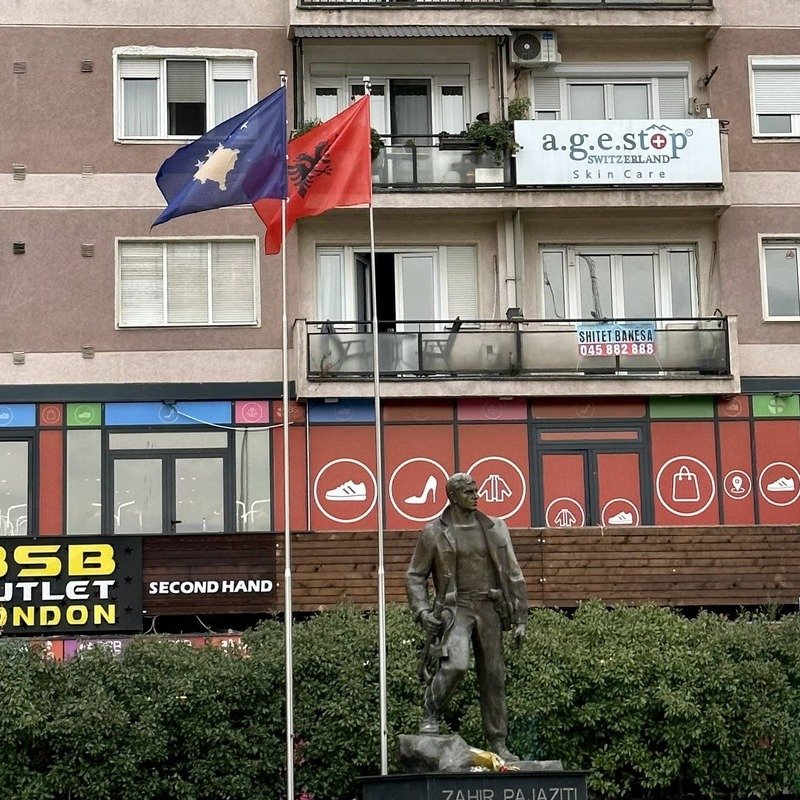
(430, 721)
(499, 746)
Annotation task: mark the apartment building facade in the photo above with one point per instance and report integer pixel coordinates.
(602, 327)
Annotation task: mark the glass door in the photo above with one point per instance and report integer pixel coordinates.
(199, 495)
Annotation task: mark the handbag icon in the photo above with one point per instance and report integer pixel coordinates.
(685, 488)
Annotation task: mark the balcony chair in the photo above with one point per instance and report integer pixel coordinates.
(337, 351)
(441, 349)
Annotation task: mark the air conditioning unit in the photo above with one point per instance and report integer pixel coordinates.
(534, 48)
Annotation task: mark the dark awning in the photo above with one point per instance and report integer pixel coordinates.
(392, 31)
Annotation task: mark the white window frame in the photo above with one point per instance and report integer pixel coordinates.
(775, 240)
(663, 296)
(438, 79)
(164, 54)
(348, 252)
(767, 63)
(607, 74)
(208, 240)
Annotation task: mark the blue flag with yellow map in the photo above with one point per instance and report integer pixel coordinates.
(241, 160)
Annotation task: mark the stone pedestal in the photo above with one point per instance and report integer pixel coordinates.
(547, 785)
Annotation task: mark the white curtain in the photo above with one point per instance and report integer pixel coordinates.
(230, 99)
(140, 99)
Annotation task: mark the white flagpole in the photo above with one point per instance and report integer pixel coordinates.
(376, 383)
(287, 532)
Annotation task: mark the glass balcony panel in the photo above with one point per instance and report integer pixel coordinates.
(533, 348)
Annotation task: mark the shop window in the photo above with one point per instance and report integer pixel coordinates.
(15, 487)
(187, 282)
(179, 94)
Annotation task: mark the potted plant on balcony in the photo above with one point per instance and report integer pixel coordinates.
(496, 138)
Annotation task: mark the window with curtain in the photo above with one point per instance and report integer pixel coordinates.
(647, 282)
(187, 283)
(776, 97)
(600, 97)
(781, 279)
(168, 97)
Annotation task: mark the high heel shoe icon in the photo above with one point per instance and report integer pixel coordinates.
(430, 488)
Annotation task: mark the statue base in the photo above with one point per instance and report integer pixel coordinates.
(546, 785)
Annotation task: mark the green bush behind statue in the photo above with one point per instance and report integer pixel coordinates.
(651, 703)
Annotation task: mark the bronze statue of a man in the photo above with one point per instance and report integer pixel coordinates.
(479, 592)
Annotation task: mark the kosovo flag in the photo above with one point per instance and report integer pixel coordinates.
(240, 161)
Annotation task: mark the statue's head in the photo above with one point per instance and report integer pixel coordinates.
(462, 491)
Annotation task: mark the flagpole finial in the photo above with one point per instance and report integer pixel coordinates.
(282, 75)
(367, 85)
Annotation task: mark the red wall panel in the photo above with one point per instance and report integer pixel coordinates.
(618, 487)
(497, 457)
(736, 473)
(298, 494)
(777, 479)
(342, 485)
(563, 490)
(684, 473)
(419, 459)
(51, 482)
(589, 408)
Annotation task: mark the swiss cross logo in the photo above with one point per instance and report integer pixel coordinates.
(658, 141)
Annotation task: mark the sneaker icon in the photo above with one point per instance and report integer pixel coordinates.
(623, 518)
(348, 491)
(781, 485)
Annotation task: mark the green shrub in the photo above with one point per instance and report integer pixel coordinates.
(651, 703)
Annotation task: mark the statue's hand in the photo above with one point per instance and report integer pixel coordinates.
(430, 624)
(519, 634)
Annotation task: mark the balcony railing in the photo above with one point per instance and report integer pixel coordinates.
(413, 161)
(428, 349)
(561, 4)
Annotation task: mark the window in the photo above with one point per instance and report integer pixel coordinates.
(201, 481)
(776, 96)
(780, 279)
(437, 283)
(588, 94)
(650, 282)
(15, 483)
(178, 282)
(180, 94)
(408, 108)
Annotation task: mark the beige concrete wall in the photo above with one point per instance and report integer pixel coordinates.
(740, 267)
(731, 100)
(55, 300)
(56, 119)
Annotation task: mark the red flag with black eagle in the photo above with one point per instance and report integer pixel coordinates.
(330, 166)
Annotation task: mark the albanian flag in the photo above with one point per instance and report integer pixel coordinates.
(330, 166)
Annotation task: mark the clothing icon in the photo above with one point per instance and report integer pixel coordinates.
(349, 490)
(782, 484)
(685, 487)
(494, 489)
(565, 518)
(622, 518)
(430, 489)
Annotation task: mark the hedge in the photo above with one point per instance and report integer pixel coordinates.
(651, 703)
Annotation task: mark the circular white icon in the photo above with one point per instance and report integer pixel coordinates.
(737, 484)
(6, 415)
(430, 489)
(253, 412)
(168, 413)
(51, 415)
(565, 518)
(786, 484)
(497, 492)
(622, 518)
(354, 496)
(84, 415)
(685, 486)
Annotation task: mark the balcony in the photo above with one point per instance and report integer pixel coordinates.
(565, 4)
(413, 162)
(428, 350)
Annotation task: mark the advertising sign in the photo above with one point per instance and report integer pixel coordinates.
(618, 152)
(79, 586)
(617, 339)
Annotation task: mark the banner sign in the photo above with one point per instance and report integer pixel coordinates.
(617, 339)
(70, 585)
(618, 152)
